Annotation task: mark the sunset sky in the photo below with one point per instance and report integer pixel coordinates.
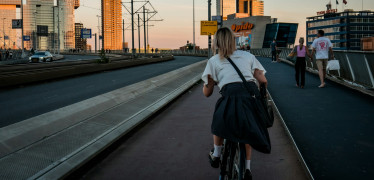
(176, 27)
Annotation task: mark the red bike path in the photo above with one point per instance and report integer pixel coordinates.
(175, 144)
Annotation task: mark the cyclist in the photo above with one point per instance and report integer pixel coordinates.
(235, 117)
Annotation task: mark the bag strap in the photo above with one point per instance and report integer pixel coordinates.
(241, 76)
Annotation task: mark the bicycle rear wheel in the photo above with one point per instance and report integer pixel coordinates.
(238, 161)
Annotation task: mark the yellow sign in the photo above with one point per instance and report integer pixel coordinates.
(208, 27)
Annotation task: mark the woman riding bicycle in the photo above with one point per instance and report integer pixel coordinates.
(235, 117)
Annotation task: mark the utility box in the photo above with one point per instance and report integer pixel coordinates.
(367, 44)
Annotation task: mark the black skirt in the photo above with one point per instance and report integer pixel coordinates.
(237, 119)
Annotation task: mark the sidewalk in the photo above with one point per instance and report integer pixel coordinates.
(175, 145)
(332, 127)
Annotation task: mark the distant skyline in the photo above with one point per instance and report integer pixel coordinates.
(176, 28)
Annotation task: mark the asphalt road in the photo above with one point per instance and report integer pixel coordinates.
(77, 58)
(333, 126)
(21, 103)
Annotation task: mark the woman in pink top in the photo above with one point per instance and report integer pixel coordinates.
(300, 64)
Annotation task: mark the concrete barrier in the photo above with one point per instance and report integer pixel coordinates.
(42, 134)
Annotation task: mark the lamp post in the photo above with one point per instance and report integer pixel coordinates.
(4, 32)
(98, 28)
(35, 30)
(194, 50)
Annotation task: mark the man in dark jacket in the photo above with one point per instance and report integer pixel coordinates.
(273, 47)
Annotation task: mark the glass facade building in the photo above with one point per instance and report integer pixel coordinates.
(112, 24)
(284, 33)
(344, 29)
(80, 43)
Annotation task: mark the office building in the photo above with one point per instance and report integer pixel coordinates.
(112, 24)
(344, 29)
(43, 22)
(243, 8)
(8, 36)
(283, 33)
(80, 43)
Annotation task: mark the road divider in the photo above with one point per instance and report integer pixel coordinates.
(23, 74)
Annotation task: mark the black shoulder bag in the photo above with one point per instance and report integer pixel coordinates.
(264, 109)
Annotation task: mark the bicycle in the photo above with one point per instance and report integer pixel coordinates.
(233, 159)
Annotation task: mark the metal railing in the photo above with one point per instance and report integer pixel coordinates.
(200, 52)
(355, 66)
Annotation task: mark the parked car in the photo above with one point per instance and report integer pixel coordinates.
(41, 56)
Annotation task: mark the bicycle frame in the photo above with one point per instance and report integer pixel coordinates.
(232, 161)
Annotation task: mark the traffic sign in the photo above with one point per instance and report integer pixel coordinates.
(86, 33)
(208, 27)
(16, 23)
(26, 38)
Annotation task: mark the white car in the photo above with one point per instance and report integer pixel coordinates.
(41, 56)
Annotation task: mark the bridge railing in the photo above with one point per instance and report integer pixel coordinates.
(355, 66)
(200, 52)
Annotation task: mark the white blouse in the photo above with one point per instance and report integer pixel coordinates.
(222, 72)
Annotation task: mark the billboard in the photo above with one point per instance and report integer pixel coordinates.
(42, 30)
(16, 23)
(86, 33)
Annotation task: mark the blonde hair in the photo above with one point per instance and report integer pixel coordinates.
(224, 41)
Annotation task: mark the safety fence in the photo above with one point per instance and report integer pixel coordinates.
(200, 52)
(355, 66)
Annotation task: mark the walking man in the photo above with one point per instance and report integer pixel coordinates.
(274, 49)
(321, 46)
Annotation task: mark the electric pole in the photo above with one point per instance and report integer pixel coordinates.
(23, 52)
(139, 31)
(194, 50)
(145, 39)
(209, 19)
(132, 28)
(123, 34)
(102, 25)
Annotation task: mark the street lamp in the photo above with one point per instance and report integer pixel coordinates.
(35, 30)
(4, 32)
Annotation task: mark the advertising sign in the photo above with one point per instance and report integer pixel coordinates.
(245, 29)
(16, 23)
(208, 27)
(86, 33)
(42, 30)
(26, 38)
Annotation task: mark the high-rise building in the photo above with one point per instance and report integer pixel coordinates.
(8, 36)
(257, 8)
(43, 22)
(80, 43)
(112, 24)
(244, 7)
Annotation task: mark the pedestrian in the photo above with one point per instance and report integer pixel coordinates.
(6, 54)
(10, 54)
(156, 50)
(321, 47)
(300, 64)
(152, 50)
(235, 117)
(1, 55)
(274, 49)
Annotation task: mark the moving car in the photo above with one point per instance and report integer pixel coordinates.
(41, 56)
